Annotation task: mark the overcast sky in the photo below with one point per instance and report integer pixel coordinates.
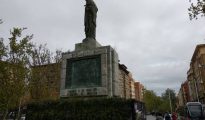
(154, 38)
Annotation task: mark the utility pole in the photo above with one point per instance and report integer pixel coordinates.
(170, 102)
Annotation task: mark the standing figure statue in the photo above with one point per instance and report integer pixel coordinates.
(90, 19)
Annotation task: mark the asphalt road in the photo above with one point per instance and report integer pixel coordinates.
(150, 117)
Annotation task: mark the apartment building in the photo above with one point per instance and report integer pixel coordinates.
(139, 91)
(45, 82)
(194, 88)
(125, 80)
(198, 66)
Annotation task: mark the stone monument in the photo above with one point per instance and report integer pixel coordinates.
(91, 69)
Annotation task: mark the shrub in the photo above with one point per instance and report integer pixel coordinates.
(90, 109)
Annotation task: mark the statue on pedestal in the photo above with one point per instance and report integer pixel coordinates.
(90, 19)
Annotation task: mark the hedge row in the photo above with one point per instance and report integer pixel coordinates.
(92, 109)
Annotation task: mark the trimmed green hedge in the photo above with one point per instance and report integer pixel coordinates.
(91, 109)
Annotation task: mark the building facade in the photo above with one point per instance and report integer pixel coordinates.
(185, 89)
(125, 81)
(194, 88)
(45, 82)
(132, 89)
(192, 85)
(139, 91)
(180, 98)
(198, 66)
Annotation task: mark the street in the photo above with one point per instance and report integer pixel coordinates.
(150, 117)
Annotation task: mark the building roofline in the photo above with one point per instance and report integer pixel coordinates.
(196, 50)
(124, 68)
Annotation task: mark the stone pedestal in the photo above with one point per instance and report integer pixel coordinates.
(90, 70)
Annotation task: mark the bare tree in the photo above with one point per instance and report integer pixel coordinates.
(197, 9)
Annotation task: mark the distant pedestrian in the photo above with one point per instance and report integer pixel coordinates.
(174, 116)
(167, 116)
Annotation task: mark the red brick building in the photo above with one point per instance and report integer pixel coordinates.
(139, 89)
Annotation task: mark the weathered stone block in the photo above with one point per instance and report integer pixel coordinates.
(67, 56)
(82, 65)
(100, 51)
(88, 52)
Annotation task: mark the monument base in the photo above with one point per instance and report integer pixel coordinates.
(90, 70)
(88, 43)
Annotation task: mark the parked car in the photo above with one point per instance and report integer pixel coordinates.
(194, 110)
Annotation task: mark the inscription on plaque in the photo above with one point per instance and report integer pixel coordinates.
(83, 72)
